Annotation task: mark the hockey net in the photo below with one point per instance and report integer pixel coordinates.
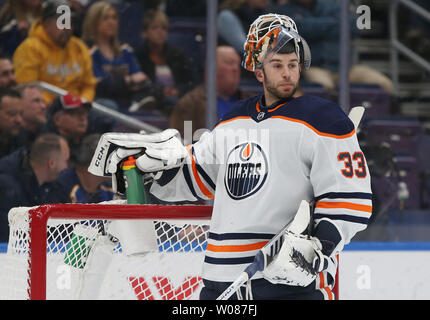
(63, 251)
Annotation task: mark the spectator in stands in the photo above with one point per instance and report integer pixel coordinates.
(10, 120)
(235, 17)
(16, 18)
(33, 113)
(318, 22)
(192, 106)
(80, 185)
(68, 116)
(7, 73)
(114, 64)
(169, 69)
(27, 176)
(54, 55)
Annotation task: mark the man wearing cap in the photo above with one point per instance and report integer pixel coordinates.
(55, 55)
(69, 116)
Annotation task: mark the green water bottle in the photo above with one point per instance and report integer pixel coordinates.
(135, 236)
(79, 246)
(135, 190)
(83, 236)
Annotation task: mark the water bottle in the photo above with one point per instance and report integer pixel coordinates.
(79, 246)
(135, 191)
(135, 236)
(83, 236)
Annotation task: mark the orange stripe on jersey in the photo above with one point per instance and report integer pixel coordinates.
(199, 182)
(281, 105)
(257, 106)
(317, 131)
(344, 205)
(232, 119)
(236, 248)
(321, 276)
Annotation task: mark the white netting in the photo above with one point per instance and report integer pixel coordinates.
(73, 271)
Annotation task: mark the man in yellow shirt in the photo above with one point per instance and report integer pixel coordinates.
(56, 56)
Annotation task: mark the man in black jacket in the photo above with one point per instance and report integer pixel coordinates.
(28, 176)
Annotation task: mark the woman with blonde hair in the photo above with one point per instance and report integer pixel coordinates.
(114, 64)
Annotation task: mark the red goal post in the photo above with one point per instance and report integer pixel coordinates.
(35, 244)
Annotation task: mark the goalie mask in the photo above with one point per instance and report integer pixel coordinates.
(268, 34)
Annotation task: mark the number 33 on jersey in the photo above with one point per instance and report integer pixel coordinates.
(354, 164)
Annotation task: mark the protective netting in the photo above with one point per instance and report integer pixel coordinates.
(84, 261)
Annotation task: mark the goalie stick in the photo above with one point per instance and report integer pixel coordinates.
(355, 114)
(299, 224)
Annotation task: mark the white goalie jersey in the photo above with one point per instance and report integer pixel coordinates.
(259, 163)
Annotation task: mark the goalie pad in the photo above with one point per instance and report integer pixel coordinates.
(94, 272)
(136, 237)
(294, 264)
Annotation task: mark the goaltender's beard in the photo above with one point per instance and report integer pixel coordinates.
(276, 91)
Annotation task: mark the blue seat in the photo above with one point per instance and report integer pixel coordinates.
(315, 89)
(376, 101)
(400, 133)
(153, 118)
(425, 189)
(384, 191)
(423, 156)
(189, 35)
(409, 174)
(387, 189)
(423, 151)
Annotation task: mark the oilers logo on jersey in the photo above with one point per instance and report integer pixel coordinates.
(246, 170)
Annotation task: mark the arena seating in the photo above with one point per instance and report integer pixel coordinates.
(376, 101)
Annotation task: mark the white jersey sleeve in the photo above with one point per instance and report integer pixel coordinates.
(340, 178)
(196, 178)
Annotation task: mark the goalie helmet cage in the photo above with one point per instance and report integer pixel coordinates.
(41, 242)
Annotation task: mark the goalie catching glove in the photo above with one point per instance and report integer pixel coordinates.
(159, 154)
(298, 262)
